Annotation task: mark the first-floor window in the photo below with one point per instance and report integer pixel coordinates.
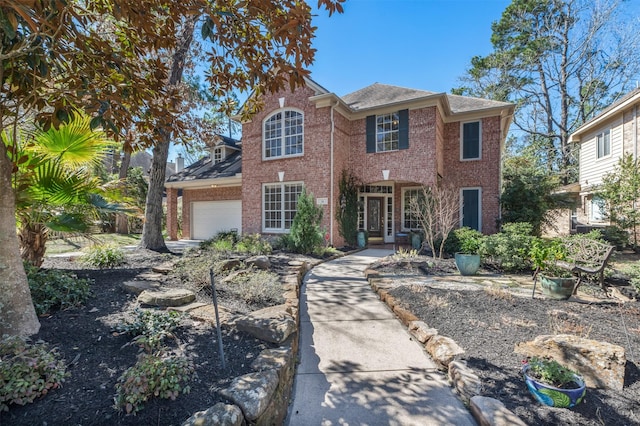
(279, 204)
(598, 209)
(409, 219)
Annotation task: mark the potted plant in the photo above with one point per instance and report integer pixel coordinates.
(555, 281)
(467, 257)
(552, 384)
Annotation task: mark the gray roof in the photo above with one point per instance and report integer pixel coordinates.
(378, 95)
(611, 107)
(205, 169)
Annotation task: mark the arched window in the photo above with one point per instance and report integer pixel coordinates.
(283, 134)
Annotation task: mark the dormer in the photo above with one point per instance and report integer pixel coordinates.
(222, 148)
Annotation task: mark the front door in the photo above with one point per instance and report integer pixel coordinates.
(375, 216)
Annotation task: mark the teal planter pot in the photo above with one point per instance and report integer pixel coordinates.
(416, 241)
(362, 240)
(467, 264)
(557, 288)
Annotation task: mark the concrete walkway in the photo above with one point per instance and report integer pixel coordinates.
(358, 364)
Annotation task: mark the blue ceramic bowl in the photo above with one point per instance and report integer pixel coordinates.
(555, 397)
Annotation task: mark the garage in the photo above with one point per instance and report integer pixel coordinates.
(211, 217)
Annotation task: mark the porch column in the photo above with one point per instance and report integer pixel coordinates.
(172, 213)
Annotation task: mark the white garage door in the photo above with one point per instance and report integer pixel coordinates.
(211, 217)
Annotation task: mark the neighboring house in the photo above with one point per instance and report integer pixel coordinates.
(392, 139)
(602, 141)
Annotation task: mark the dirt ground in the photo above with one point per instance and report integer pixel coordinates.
(487, 322)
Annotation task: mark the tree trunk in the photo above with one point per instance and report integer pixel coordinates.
(152, 238)
(17, 314)
(122, 221)
(33, 239)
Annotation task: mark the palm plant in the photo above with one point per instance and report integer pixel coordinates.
(54, 182)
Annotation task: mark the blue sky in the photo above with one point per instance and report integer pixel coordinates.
(420, 44)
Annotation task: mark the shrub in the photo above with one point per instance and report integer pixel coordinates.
(305, 229)
(104, 256)
(27, 371)
(258, 289)
(509, 249)
(55, 289)
(468, 240)
(153, 375)
(252, 244)
(150, 327)
(615, 236)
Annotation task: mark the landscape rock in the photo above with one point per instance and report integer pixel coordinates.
(491, 412)
(163, 268)
(168, 297)
(273, 359)
(601, 364)
(220, 414)
(273, 324)
(137, 287)
(421, 331)
(234, 274)
(260, 262)
(150, 276)
(405, 315)
(229, 264)
(464, 380)
(252, 392)
(208, 313)
(443, 349)
(188, 307)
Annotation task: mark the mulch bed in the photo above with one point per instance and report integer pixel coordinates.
(489, 324)
(97, 356)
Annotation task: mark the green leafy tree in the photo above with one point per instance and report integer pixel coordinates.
(110, 60)
(305, 228)
(561, 62)
(347, 212)
(620, 190)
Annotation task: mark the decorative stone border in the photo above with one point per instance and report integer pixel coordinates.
(263, 397)
(446, 353)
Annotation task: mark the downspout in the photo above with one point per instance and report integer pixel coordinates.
(635, 132)
(331, 201)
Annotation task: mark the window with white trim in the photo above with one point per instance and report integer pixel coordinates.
(603, 142)
(471, 141)
(279, 204)
(409, 220)
(217, 155)
(283, 134)
(387, 132)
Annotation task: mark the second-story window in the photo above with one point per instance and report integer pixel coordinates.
(471, 141)
(283, 134)
(604, 143)
(387, 126)
(217, 155)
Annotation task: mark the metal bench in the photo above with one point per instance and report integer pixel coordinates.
(585, 256)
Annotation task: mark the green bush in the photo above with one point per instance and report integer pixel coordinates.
(305, 229)
(104, 256)
(27, 371)
(252, 244)
(150, 327)
(468, 240)
(55, 289)
(509, 249)
(153, 375)
(615, 236)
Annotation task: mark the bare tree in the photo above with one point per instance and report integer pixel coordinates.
(436, 209)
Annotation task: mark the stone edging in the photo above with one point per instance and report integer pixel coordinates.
(263, 397)
(446, 353)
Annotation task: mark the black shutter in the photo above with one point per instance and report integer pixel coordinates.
(371, 133)
(471, 140)
(403, 129)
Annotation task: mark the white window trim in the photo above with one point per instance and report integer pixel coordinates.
(461, 202)
(264, 146)
(281, 230)
(221, 150)
(610, 150)
(397, 133)
(462, 123)
(402, 206)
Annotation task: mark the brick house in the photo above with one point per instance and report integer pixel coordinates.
(602, 141)
(392, 139)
